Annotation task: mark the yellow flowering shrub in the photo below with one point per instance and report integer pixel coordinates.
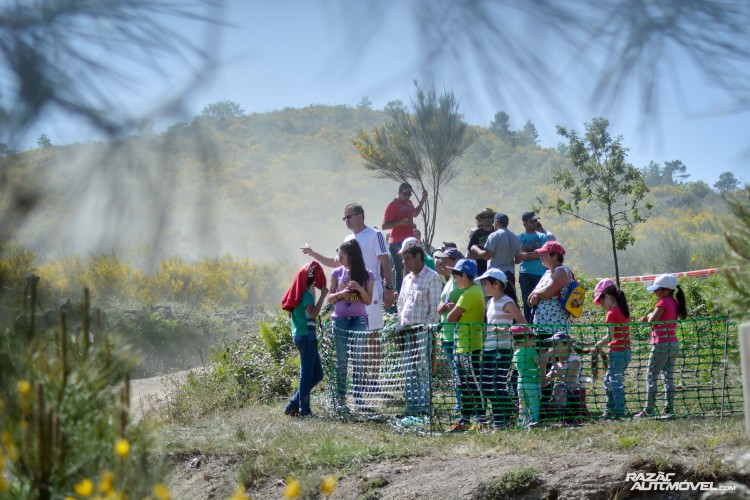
(66, 431)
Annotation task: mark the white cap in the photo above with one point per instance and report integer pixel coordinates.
(492, 273)
(663, 281)
(407, 244)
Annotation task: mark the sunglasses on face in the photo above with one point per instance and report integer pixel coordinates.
(407, 193)
(347, 217)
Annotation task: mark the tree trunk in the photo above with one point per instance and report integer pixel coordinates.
(430, 220)
(614, 253)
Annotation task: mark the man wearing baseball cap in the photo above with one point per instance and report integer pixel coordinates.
(399, 219)
(412, 242)
(479, 237)
(531, 269)
(503, 249)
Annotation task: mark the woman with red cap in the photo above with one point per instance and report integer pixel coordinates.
(548, 297)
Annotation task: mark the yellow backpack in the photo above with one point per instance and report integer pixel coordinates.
(573, 301)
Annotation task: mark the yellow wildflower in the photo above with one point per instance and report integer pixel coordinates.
(122, 447)
(161, 492)
(25, 396)
(10, 447)
(239, 493)
(84, 488)
(328, 485)
(24, 387)
(106, 482)
(292, 488)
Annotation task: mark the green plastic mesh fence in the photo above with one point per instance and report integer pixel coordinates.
(455, 377)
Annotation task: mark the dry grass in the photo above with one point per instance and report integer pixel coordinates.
(272, 446)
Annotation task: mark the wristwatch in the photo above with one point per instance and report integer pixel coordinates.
(389, 287)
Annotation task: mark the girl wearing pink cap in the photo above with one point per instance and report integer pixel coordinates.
(613, 301)
(664, 345)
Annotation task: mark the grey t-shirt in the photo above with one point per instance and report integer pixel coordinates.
(505, 246)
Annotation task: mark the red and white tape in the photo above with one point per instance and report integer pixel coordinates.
(652, 277)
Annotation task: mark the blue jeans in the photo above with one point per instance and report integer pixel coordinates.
(397, 265)
(661, 362)
(350, 337)
(415, 360)
(449, 349)
(310, 371)
(495, 368)
(614, 382)
(528, 282)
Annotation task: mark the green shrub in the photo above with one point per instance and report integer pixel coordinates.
(260, 366)
(509, 485)
(168, 337)
(276, 334)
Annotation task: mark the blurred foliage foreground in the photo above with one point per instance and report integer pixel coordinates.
(64, 372)
(64, 416)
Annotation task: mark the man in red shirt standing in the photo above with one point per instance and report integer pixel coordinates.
(399, 218)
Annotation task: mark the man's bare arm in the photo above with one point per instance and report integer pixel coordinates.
(326, 261)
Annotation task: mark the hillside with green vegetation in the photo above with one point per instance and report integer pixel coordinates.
(258, 186)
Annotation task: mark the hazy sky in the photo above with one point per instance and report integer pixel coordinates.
(293, 53)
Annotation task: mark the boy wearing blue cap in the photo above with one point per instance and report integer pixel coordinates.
(468, 312)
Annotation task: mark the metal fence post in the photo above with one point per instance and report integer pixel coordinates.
(745, 367)
(726, 364)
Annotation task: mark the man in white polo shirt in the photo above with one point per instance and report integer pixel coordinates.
(377, 259)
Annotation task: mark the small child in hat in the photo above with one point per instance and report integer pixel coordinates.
(530, 373)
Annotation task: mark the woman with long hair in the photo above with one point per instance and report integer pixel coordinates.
(613, 301)
(351, 290)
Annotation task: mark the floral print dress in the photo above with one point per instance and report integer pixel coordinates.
(551, 311)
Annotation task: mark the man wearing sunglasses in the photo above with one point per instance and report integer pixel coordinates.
(399, 219)
(375, 255)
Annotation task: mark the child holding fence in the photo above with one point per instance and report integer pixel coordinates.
(613, 301)
(530, 373)
(502, 311)
(565, 377)
(664, 344)
(303, 316)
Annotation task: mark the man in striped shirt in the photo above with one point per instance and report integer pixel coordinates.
(418, 302)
